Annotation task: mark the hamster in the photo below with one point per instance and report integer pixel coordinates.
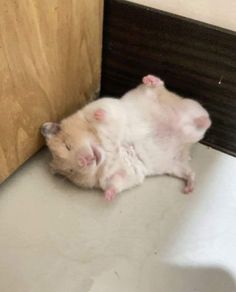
(114, 144)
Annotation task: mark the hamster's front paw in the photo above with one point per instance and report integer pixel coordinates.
(99, 114)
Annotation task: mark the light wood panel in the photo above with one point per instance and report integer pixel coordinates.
(50, 54)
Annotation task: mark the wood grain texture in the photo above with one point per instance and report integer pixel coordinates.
(194, 59)
(50, 60)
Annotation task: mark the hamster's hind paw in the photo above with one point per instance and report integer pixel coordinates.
(152, 80)
(110, 193)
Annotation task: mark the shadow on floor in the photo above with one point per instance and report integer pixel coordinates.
(196, 279)
(127, 276)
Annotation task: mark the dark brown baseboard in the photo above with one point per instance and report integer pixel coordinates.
(194, 59)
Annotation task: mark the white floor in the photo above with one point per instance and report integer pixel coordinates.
(56, 237)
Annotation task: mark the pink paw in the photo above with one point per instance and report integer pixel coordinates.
(86, 160)
(189, 183)
(110, 194)
(99, 114)
(152, 80)
(202, 122)
(188, 189)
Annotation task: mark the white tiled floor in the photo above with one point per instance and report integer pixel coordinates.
(56, 237)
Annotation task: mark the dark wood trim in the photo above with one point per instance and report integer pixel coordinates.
(195, 59)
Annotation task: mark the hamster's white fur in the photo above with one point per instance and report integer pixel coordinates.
(149, 131)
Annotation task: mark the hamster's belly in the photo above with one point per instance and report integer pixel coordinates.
(156, 155)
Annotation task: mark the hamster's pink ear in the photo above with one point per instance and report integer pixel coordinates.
(50, 129)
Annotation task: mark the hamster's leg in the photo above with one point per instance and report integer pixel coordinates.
(152, 80)
(110, 193)
(202, 122)
(194, 130)
(119, 182)
(184, 172)
(114, 185)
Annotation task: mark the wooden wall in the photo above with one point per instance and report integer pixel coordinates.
(50, 54)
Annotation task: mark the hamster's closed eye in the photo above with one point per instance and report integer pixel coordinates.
(68, 147)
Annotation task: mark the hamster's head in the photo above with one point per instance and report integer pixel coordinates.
(75, 150)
